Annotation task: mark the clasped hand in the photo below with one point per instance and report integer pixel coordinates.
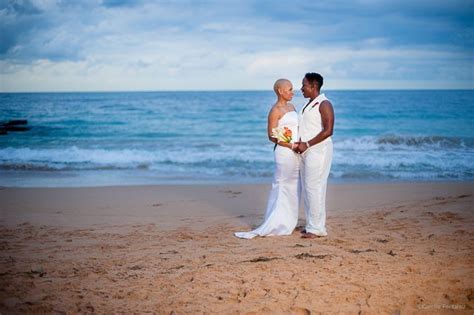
(299, 147)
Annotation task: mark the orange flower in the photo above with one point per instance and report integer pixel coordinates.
(283, 134)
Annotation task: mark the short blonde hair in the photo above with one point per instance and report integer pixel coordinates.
(279, 83)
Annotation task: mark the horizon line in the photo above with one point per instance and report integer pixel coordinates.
(231, 90)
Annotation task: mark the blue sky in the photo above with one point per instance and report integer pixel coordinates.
(117, 45)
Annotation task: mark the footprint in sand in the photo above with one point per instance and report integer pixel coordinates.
(300, 311)
(231, 193)
(308, 255)
(358, 251)
(445, 200)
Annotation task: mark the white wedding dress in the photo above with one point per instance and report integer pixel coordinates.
(281, 215)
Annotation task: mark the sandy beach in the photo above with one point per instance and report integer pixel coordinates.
(392, 248)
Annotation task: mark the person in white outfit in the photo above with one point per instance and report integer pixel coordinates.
(281, 215)
(316, 124)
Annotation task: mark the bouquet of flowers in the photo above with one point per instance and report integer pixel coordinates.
(282, 134)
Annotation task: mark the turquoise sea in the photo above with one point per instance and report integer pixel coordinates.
(90, 139)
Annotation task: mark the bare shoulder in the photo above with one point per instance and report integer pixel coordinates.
(275, 112)
(325, 105)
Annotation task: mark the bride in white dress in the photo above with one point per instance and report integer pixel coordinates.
(281, 215)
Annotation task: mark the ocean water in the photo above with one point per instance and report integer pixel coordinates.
(89, 139)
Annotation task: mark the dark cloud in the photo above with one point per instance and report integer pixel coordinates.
(17, 20)
(403, 22)
(33, 30)
(54, 32)
(19, 7)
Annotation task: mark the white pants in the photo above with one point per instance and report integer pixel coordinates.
(315, 166)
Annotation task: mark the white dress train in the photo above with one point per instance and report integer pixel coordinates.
(281, 215)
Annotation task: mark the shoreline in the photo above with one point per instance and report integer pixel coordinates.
(84, 206)
(391, 249)
(240, 182)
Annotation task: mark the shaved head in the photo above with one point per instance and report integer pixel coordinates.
(279, 84)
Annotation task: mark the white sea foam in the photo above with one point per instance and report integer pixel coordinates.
(402, 157)
(79, 158)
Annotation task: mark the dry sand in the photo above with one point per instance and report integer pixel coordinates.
(392, 249)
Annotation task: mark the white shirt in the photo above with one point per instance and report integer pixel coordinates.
(309, 119)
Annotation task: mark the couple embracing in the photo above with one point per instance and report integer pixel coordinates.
(303, 156)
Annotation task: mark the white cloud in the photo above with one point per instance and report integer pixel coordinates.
(210, 45)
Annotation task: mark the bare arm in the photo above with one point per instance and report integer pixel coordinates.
(327, 118)
(272, 123)
(273, 118)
